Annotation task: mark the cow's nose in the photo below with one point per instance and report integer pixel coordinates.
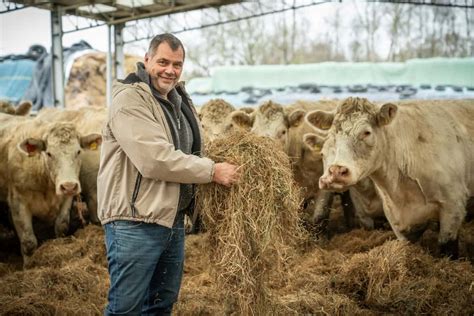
(339, 172)
(69, 188)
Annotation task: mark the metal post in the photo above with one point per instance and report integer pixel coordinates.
(57, 58)
(109, 65)
(119, 65)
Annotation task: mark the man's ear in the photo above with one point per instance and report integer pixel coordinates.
(242, 119)
(91, 141)
(313, 142)
(386, 114)
(320, 119)
(296, 117)
(32, 146)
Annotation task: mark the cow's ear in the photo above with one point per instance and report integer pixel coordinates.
(24, 108)
(313, 142)
(91, 141)
(32, 146)
(386, 114)
(242, 119)
(320, 119)
(296, 118)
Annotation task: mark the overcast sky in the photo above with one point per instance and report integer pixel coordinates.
(23, 28)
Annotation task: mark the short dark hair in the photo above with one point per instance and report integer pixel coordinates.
(169, 38)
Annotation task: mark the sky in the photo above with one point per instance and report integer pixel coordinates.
(22, 28)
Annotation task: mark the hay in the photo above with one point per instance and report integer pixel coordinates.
(400, 277)
(253, 226)
(392, 278)
(67, 276)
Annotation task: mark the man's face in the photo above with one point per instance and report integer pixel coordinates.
(164, 67)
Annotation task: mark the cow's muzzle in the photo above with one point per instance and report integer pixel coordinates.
(69, 188)
(337, 178)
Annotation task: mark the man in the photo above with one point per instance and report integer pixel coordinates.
(149, 163)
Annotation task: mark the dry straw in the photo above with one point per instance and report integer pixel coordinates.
(253, 226)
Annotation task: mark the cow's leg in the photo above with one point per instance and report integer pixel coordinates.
(348, 209)
(364, 220)
(22, 221)
(61, 224)
(414, 233)
(322, 209)
(450, 221)
(91, 201)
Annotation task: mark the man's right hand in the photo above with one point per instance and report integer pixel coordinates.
(226, 173)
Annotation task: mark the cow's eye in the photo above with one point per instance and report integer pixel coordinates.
(49, 154)
(78, 152)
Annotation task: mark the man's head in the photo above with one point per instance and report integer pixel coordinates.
(164, 62)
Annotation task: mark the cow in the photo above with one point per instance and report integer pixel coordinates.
(22, 109)
(88, 119)
(42, 177)
(219, 118)
(419, 156)
(212, 116)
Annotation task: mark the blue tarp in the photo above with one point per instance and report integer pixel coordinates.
(40, 91)
(28, 77)
(15, 77)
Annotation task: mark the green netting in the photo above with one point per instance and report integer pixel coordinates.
(434, 71)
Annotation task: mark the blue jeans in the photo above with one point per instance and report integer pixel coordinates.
(145, 266)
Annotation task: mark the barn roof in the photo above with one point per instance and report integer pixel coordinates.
(121, 11)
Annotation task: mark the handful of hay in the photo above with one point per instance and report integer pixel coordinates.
(254, 226)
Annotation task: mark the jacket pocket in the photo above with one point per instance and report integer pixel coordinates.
(136, 189)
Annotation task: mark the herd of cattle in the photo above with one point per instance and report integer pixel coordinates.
(411, 162)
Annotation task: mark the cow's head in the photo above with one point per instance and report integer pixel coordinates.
(355, 141)
(60, 149)
(213, 116)
(270, 121)
(240, 120)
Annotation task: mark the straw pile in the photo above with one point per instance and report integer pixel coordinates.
(67, 276)
(254, 226)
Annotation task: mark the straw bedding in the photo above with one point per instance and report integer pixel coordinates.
(255, 259)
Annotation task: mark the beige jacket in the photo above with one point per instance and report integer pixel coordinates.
(138, 161)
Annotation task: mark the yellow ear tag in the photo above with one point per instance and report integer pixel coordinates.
(93, 146)
(316, 147)
(326, 126)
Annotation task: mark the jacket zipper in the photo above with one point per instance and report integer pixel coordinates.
(135, 194)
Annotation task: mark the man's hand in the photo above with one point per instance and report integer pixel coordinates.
(225, 173)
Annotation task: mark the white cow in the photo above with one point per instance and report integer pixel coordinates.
(42, 174)
(420, 157)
